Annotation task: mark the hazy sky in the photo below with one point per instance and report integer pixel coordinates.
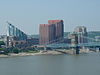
(28, 14)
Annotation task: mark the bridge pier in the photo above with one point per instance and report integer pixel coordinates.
(77, 49)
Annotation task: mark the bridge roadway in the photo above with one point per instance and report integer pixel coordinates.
(62, 45)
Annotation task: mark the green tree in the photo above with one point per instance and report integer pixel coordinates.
(2, 43)
(15, 50)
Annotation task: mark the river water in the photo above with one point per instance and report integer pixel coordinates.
(83, 64)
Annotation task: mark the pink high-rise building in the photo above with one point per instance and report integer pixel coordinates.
(59, 28)
(51, 32)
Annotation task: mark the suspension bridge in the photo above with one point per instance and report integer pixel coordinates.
(92, 44)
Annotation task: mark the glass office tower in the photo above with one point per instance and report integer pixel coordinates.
(15, 32)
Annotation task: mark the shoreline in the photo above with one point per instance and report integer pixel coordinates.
(53, 52)
(31, 54)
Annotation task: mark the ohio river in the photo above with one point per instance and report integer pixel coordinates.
(83, 64)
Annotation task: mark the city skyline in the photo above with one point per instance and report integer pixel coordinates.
(27, 15)
(49, 37)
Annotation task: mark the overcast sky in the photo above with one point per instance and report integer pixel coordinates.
(28, 14)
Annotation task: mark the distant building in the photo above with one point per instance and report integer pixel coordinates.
(82, 34)
(15, 32)
(52, 32)
(32, 41)
(15, 42)
(47, 33)
(59, 28)
(15, 36)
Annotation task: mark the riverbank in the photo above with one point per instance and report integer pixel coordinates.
(49, 52)
(31, 54)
